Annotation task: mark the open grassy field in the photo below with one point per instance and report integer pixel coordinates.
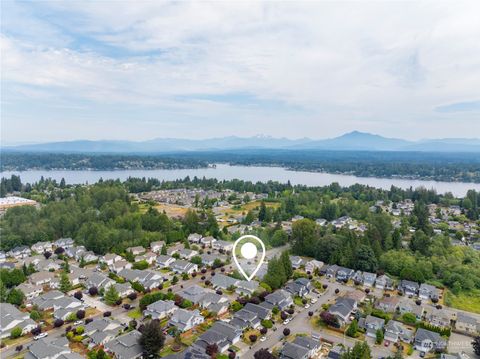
(469, 301)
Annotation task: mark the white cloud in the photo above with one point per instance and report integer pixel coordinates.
(380, 67)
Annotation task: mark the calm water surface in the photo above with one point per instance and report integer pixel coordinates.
(253, 174)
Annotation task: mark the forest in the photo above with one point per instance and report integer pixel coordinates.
(104, 217)
(450, 167)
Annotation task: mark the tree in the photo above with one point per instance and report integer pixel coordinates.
(352, 329)
(16, 332)
(263, 354)
(366, 260)
(379, 336)
(111, 295)
(15, 297)
(164, 250)
(174, 280)
(476, 345)
(211, 349)
(360, 350)
(262, 213)
(93, 291)
(58, 323)
(78, 295)
(35, 315)
(287, 264)
(329, 319)
(152, 338)
(80, 314)
(65, 284)
(286, 332)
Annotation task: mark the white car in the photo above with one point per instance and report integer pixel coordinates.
(262, 339)
(307, 306)
(78, 322)
(286, 321)
(314, 300)
(40, 336)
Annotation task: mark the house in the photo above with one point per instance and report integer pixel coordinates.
(214, 303)
(321, 222)
(384, 282)
(149, 279)
(408, 287)
(181, 266)
(280, 298)
(245, 319)
(427, 291)
(174, 249)
(194, 293)
(438, 319)
(406, 306)
(41, 247)
(369, 279)
(330, 271)
(19, 252)
(371, 324)
(148, 257)
(99, 281)
(208, 241)
(194, 238)
(296, 261)
(357, 295)
(66, 305)
(466, 323)
(313, 265)
(156, 247)
(343, 308)
(426, 341)
(47, 265)
(336, 352)
(30, 291)
(261, 312)
(125, 346)
(120, 265)
(64, 243)
(224, 282)
(136, 250)
(344, 274)
(57, 349)
(302, 347)
(208, 259)
(40, 278)
(3, 256)
(164, 261)
(396, 331)
(88, 257)
(47, 300)
(160, 309)
(187, 253)
(300, 287)
(222, 334)
(231, 333)
(222, 245)
(387, 304)
(110, 258)
(102, 330)
(185, 320)
(123, 289)
(245, 287)
(11, 317)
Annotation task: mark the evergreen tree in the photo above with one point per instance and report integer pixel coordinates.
(152, 339)
(262, 213)
(111, 295)
(164, 250)
(287, 264)
(65, 284)
(360, 350)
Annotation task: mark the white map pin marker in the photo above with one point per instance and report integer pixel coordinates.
(248, 251)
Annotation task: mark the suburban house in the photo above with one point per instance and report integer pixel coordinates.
(102, 330)
(371, 324)
(19, 252)
(30, 291)
(343, 308)
(148, 257)
(11, 317)
(156, 247)
(185, 320)
(244, 319)
(125, 346)
(64, 243)
(427, 291)
(181, 266)
(160, 309)
(223, 245)
(384, 282)
(47, 300)
(406, 306)
(149, 279)
(245, 287)
(208, 259)
(222, 334)
(194, 293)
(439, 319)
(466, 323)
(65, 306)
(110, 258)
(302, 347)
(396, 331)
(120, 265)
(330, 271)
(136, 250)
(369, 279)
(214, 303)
(164, 261)
(387, 304)
(296, 261)
(300, 287)
(261, 312)
(408, 287)
(40, 278)
(123, 289)
(99, 280)
(41, 247)
(56, 349)
(344, 274)
(357, 295)
(224, 282)
(194, 238)
(280, 298)
(313, 265)
(187, 253)
(426, 341)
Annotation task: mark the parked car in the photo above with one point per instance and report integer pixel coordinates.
(78, 322)
(262, 339)
(307, 306)
(40, 336)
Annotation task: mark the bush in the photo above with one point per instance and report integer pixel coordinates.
(80, 314)
(19, 348)
(286, 332)
(253, 338)
(263, 331)
(133, 296)
(16, 333)
(58, 323)
(310, 314)
(93, 291)
(267, 324)
(337, 291)
(283, 315)
(78, 295)
(35, 315)
(107, 314)
(79, 330)
(409, 318)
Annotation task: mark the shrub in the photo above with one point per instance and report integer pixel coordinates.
(16, 333)
(35, 315)
(253, 338)
(133, 296)
(263, 331)
(80, 314)
(286, 332)
(78, 295)
(107, 314)
(283, 315)
(79, 330)
(93, 291)
(58, 323)
(267, 324)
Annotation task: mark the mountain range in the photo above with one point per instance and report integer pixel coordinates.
(352, 141)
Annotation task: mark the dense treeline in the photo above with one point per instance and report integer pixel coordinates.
(464, 167)
(21, 161)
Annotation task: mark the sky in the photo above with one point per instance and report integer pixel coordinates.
(138, 70)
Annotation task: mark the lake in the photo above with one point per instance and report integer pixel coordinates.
(247, 173)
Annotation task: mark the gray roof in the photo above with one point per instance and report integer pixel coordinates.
(126, 346)
(293, 351)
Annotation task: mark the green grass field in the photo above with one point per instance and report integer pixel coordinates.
(469, 301)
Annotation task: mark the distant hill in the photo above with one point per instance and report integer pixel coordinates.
(353, 141)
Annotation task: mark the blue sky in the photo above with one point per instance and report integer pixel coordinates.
(141, 70)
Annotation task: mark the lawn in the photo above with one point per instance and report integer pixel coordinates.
(135, 313)
(469, 301)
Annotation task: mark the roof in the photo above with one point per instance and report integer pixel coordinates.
(423, 334)
(161, 306)
(293, 351)
(126, 346)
